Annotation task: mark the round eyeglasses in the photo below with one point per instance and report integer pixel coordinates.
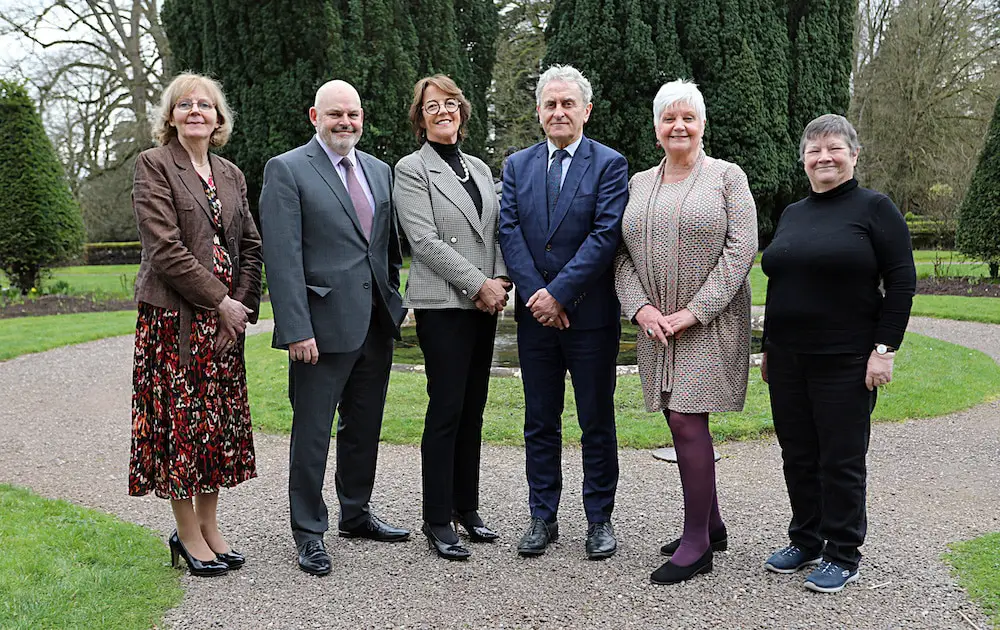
(433, 107)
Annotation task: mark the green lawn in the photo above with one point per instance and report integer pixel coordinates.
(21, 335)
(977, 564)
(932, 378)
(62, 566)
(101, 281)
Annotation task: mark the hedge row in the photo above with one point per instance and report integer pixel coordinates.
(127, 253)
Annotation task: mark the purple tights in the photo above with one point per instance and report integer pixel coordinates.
(696, 461)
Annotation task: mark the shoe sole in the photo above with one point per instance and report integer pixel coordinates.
(719, 545)
(809, 563)
(316, 573)
(344, 534)
(705, 569)
(602, 555)
(812, 586)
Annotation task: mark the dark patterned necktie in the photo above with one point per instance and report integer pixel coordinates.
(362, 207)
(553, 181)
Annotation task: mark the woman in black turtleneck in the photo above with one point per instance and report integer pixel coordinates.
(840, 285)
(457, 284)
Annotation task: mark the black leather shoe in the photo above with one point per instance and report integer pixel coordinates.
(719, 540)
(670, 573)
(474, 526)
(232, 559)
(199, 568)
(313, 557)
(445, 550)
(537, 538)
(601, 541)
(376, 529)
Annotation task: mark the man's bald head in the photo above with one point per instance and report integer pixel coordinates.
(337, 116)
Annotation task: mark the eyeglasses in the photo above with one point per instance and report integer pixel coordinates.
(433, 107)
(203, 106)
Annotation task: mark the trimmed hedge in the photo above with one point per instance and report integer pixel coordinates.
(127, 253)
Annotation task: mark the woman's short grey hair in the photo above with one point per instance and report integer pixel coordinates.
(679, 91)
(829, 125)
(568, 74)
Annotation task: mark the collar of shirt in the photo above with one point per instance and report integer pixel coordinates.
(571, 149)
(336, 159)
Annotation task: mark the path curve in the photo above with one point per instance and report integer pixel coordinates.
(64, 432)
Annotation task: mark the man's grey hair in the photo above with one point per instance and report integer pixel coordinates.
(679, 91)
(829, 125)
(568, 74)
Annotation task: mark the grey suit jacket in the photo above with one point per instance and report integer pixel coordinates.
(454, 249)
(321, 270)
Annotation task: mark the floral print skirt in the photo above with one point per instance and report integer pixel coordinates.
(191, 431)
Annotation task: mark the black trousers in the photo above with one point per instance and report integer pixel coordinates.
(458, 351)
(353, 384)
(822, 417)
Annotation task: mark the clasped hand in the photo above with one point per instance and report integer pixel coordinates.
(656, 325)
(492, 296)
(547, 310)
(233, 319)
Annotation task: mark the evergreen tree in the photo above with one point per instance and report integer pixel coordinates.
(978, 234)
(270, 58)
(40, 223)
(478, 29)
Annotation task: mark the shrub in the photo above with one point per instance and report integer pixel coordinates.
(127, 253)
(978, 234)
(40, 223)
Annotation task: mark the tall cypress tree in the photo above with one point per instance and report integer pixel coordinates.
(478, 26)
(978, 233)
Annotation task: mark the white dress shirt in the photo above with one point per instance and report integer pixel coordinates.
(359, 172)
(571, 150)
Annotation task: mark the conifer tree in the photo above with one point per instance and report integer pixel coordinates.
(478, 27)
(978, 233)
(40, 223)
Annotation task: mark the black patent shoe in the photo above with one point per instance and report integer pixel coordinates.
(718, 539)
(376, 529)
(313, 558)
(447, 551)
(199, 568)
(671, 573)
(474, 526)
(601, 541)
(536, 540)
(233, 559)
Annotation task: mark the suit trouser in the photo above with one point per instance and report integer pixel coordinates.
(458, 351)
(822, 417)
(589, 355)
(353, 384)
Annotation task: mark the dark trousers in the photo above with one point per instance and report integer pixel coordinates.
(822, 417)
(589, 355)
(353, 384)
(458, 351)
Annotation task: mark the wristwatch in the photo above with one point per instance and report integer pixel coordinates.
(882, 349)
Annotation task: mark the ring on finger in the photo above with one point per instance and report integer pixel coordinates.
(649, 332)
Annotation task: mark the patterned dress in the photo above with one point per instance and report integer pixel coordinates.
(191, 430)
(691, 245)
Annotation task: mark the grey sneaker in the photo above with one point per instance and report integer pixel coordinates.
(790, 559)
(830, 577)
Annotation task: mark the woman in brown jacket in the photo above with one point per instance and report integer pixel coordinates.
(198, 285)
(689, 237)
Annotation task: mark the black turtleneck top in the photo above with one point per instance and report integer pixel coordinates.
(830, 252)
(449, 153)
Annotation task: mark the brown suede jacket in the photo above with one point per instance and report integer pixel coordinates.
(173, 217)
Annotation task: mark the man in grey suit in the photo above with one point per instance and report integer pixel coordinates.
(331, 250)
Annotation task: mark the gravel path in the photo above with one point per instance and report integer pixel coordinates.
(64, 432)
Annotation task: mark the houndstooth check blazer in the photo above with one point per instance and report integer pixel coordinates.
(454, 249)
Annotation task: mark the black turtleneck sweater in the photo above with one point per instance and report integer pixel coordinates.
(449, 153)
(829, 254)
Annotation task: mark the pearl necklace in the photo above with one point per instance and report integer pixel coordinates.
(465, 170)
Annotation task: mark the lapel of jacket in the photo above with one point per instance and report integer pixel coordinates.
(444, 179)
(229, 196)
(539, 169)
(491, 205)
(189, 176)
(578, 167)
(321, 162)
(379, 187)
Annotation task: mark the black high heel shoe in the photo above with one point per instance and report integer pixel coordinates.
(478, 532)
(200, 568)
(447, 551)
(232, 559)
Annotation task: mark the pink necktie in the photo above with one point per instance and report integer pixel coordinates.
(362, 207)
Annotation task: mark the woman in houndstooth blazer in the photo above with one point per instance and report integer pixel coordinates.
(456, 286)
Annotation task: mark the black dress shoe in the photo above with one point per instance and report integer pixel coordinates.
(199, 568)
(718, 539)
(232, 559)
(376, 529)
(601, 541)
(474, 526)
(670, 573)
(448, 551)
(313, 557)
(537, 538)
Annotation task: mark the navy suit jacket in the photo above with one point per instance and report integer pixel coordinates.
(572, 255)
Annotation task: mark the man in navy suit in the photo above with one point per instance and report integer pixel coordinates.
(560, 223)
